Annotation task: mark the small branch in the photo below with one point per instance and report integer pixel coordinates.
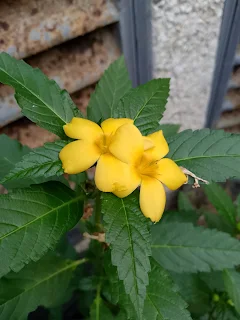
(99, 237)
(196, 179)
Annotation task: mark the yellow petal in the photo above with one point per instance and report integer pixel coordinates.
(152, 199)
(110, 125)
(161, 147)
(78, 156)
(148, 143)
(113, 175)
(127, 143)
(80, 128)
(169, 173)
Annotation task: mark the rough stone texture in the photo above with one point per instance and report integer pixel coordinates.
(30, 26)
(73, 65)
(185, 37)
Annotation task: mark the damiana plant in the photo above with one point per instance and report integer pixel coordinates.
(135, 266)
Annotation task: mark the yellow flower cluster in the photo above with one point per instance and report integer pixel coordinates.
(125, 160)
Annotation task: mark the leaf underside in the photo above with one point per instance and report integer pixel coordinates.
(32, 221)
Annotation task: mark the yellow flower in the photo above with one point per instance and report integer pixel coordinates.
(92, 146)
(147, 168)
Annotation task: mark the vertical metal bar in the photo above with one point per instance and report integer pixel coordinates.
(135, 29)
(228, 40)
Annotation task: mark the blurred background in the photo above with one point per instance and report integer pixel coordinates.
(195, 43)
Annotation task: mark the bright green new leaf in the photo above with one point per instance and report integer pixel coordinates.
(40, 99)
(232, 284)
(181, 247)
(32, 221)
(213, 155)
(169, 129)
(222, 202)
(40, 162)
(110, 89)
(184, 204)
(127, 232)
(145, 104)
(194, 291)
(44, 283)
(11, 152)
(163, 301)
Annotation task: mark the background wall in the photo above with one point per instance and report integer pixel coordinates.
(185, 38)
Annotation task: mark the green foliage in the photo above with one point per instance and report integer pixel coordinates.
(99, 310)
(33, 220)
(194, 291)
(128, 234)
(213, 155)
(163, 302)
(40, 162)
(215, 221)
(222, 202)
(40, 99)
(184, 204)
(44, 283)
(169, 129)
(145, 104)
(185, 248)
(232, 283)
(110, 89)
(180, 216)
(214, 280)
(11, 152)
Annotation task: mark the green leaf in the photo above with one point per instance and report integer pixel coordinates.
(169, 129)
(238, 206)
(100, 311)
(40, 99)
(232, 284)
(213, 155)
(145, 105)
(110, 89)
(222, 311)
(215, 221)
(181, 247)
(194, 291)
(128, 234)
(112, 275)
(45, 283)
(222, 202)
(40, 162)
(11, 153)
(180, 216)
(214, 280)
(32, 221)
(184, 204)
(163, 301)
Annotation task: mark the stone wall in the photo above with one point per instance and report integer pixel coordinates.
(185, 38)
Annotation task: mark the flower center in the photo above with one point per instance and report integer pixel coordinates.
(103, 142)
(146, 166)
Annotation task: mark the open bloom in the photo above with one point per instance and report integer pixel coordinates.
(92, 146)
(147, 168)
